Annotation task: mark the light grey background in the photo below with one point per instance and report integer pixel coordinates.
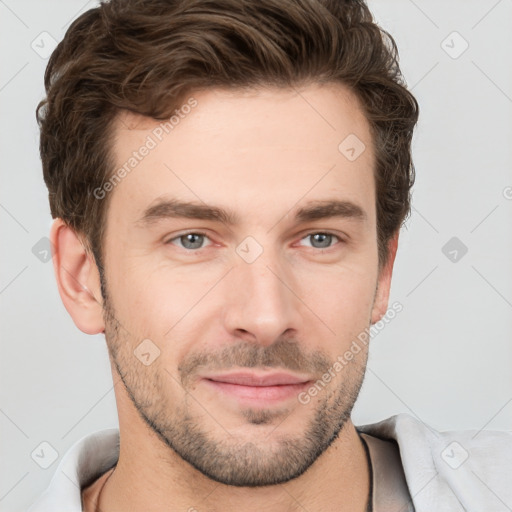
(445, 358)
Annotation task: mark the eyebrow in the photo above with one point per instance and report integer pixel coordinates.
(315, 210)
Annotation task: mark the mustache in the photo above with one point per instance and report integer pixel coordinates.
(281, 354)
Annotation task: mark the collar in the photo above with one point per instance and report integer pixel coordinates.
(389, 491)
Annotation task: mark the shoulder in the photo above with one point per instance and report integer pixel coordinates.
(81, 465)
(451, 470)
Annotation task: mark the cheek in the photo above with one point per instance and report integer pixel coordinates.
(157, 304)
(170, 306)
(342, 298)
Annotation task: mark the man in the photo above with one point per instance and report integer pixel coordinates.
(228, 181)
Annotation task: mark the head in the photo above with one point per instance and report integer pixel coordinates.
(286, 128)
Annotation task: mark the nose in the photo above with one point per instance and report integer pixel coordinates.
(261, 303)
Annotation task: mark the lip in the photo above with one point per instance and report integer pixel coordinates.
(257, 388)
(258, 379)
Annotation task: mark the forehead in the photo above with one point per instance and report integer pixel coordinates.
(246, 148)
(331, 105)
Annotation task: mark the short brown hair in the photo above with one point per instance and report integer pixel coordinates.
(145, 56)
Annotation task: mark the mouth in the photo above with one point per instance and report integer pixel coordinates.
(258, 388)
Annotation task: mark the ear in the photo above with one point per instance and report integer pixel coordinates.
(78, 279)
(380, 304)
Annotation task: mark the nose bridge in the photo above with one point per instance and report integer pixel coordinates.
(261, 305)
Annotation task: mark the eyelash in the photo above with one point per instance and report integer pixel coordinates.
(201, 233)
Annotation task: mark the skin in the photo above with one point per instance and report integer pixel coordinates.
(297, 307)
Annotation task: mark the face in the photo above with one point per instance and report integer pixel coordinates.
(240, 265)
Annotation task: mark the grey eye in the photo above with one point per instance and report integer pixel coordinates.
(191, 240)
(321, 240)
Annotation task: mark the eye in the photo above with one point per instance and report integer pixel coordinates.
(321, 240)
(190, 241)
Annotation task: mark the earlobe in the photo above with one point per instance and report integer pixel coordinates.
(77, 279)
(380, 305)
